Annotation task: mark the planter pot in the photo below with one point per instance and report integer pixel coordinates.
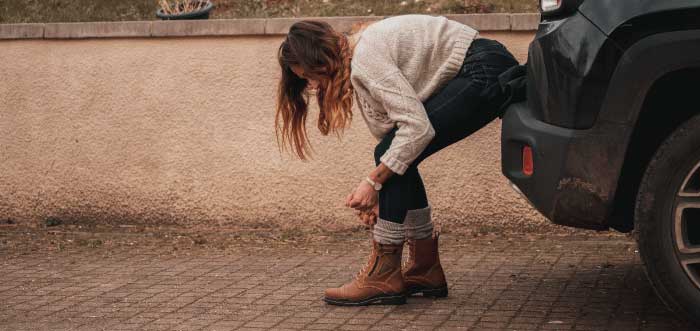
(201, 14)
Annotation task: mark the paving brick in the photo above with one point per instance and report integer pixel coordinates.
(491, 288)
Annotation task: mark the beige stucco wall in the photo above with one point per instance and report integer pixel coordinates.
(180, 130)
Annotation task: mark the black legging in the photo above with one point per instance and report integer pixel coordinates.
(455, 112)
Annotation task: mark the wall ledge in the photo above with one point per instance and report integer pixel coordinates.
(22, 31)
(233, 27)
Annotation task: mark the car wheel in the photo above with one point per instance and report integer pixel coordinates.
(667, 218)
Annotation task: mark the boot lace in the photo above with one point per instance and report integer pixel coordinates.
(411, 254)
(365, 268)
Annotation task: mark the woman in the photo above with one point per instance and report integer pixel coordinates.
(420, 84)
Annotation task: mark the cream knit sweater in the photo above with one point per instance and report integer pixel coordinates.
(397, 64)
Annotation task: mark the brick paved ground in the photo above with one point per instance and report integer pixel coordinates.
(495, 284)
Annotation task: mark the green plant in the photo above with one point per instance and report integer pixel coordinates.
(53, 221)
(90, 243)
(182, 7)
(45, 11)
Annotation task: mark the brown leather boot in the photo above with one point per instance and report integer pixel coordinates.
(423, 272)
(379, 281)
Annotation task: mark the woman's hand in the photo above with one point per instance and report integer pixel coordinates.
(363, 198)
(369, 218)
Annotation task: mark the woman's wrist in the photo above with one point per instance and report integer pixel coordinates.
(380, 174)
(374, 185)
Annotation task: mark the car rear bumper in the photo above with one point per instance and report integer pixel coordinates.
(560, 187)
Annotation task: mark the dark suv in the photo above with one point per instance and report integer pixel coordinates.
(609, 136)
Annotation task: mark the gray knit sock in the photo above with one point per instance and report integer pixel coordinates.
(388, 233)
(418, 224)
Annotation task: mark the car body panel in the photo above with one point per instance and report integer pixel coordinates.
(585, 93)
(608, 15)
(561, 57)
(643, 64)
(575, 171)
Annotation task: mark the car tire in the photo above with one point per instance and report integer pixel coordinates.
(667, 236)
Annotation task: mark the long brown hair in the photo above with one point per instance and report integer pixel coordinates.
(324, 55)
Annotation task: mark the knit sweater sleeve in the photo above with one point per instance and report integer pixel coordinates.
(403, 106)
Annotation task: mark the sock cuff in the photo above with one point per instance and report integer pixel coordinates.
(390, 233)
(417, 218)
(418, 223)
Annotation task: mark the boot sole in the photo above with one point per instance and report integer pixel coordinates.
(377, 300)
(440, 292)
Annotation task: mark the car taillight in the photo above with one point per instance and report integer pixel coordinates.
(528, 162)
(553, 8)
(550, 5)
